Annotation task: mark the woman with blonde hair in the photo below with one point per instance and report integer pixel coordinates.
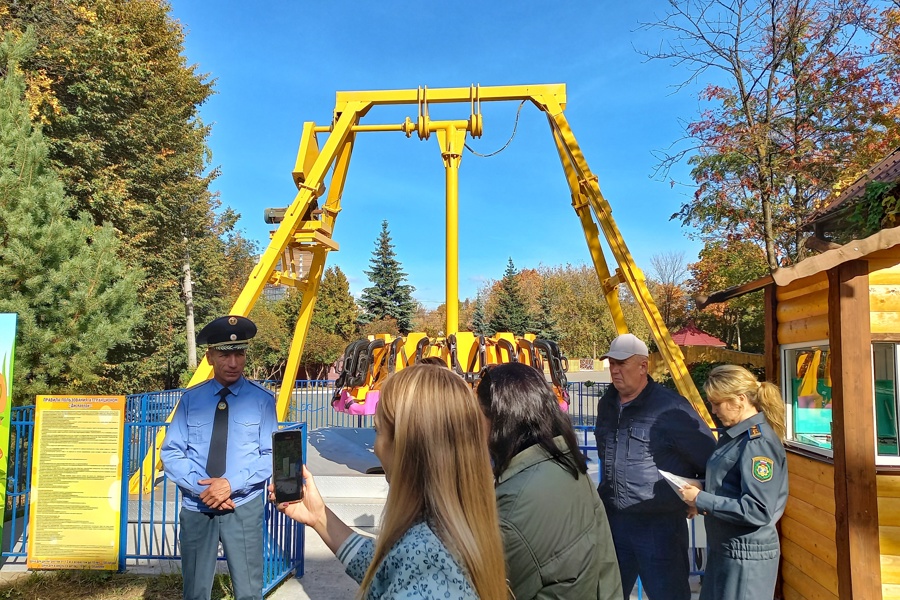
(440, 534)
(746, 486)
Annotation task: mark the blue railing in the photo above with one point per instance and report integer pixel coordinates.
(150, 521)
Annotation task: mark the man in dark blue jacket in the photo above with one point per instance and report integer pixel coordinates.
(643, 428)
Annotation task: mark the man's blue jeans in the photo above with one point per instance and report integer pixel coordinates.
(654, 546)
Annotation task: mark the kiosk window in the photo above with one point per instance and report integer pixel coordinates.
(809, 396)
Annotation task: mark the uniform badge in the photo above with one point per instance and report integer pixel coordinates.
(232, 320)
(222, 406)
(755, 432)
(763, 468)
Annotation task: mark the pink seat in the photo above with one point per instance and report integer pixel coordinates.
(348, 404)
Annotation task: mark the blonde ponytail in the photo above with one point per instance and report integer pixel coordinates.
(770, 403)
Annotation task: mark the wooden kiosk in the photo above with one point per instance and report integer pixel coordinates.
(833, 346)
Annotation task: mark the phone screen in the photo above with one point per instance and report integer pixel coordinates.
(287, 465)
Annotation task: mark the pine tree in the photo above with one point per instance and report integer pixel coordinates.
(336, 311)
(511, 311)
(479, 325)
(76, 300)
(120, 104)
(388, 297)
(545, 323)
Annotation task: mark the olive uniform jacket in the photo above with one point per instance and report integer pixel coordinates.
(555, 533)
(746, 492)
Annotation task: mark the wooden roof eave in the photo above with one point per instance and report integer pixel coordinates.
(853, 250)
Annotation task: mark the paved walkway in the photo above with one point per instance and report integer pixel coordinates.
(324, 577)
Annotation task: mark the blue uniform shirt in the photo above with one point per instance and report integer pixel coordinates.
(251, 422)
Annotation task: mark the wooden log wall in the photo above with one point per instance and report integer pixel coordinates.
(809, 552)
(802, 309)
(884, 293)
(884, 303)
(889, 534)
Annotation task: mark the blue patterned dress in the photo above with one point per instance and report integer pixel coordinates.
(418, 566)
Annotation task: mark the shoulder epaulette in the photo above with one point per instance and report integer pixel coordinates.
(754, 432)
(260, 386)
(197, 386)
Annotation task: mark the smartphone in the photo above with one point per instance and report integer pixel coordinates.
(287, 465)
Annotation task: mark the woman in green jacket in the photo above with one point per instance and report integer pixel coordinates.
(555, 533)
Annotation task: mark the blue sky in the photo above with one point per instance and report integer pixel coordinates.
(277, 64)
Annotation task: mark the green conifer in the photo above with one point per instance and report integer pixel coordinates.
(75, 298)
(479, 323)
(511, 312)
(388, 297)
(336, 311)
(545, 323)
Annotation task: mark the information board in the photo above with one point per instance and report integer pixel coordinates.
(76, 482)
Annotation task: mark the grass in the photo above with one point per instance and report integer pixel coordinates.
(103, 585)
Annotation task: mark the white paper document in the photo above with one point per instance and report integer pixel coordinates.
(677, 482)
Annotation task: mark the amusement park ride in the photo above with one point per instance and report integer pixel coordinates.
(304, 237)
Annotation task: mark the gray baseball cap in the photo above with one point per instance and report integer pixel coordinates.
(626, 346)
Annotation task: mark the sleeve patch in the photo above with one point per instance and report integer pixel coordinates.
(763, 468)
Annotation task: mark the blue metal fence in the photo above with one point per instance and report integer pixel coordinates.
(150, 521)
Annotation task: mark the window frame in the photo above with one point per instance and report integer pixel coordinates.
(885, 460)
(787, 396)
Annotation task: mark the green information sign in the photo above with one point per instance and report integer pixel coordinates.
(7, 354)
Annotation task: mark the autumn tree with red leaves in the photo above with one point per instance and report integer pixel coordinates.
(723, 264)
(802, 97)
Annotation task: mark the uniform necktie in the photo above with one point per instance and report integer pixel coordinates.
(218, 441)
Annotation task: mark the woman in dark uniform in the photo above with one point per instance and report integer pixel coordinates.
(746, 487)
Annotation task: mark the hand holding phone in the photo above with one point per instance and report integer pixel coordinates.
(287, 465)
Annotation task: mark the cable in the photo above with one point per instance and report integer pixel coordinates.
(508, 142)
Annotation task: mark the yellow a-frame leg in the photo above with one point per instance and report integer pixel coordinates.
(309, 236)
(592, 236)
(584, 186)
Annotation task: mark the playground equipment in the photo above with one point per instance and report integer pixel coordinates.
(303, 238)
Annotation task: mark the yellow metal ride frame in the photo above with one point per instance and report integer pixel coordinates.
(302, 242)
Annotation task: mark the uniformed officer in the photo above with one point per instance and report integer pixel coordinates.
(218, 450)
(746, 487)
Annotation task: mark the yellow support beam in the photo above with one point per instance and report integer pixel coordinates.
(452, 140)
(317, 269)
(309, 189)
(315, 239)
(554, 92)
(628, 272)
(278, 278)
(591, 234)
